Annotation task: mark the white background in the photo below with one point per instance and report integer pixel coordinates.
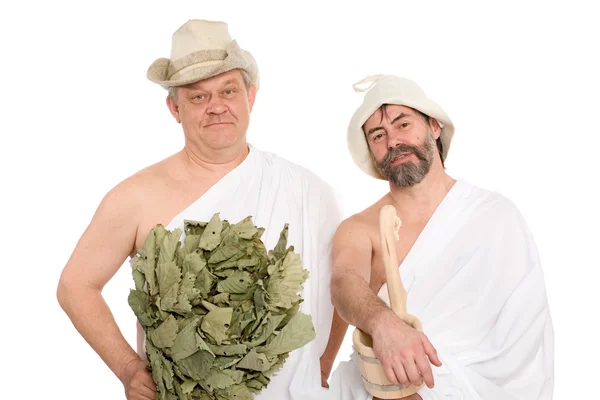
(520, 81)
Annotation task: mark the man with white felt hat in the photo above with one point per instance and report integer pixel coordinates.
(466, 258)
(212, 85)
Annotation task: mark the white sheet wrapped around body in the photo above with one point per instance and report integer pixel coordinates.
(475, 281)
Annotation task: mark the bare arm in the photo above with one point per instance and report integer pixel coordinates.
(336, 338)
(102, 249)
(404, 352)
(351, 295)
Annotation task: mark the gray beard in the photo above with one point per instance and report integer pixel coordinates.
(408, 174)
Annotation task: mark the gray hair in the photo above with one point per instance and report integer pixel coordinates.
(245, 77)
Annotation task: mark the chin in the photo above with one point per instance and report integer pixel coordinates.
(223, 142)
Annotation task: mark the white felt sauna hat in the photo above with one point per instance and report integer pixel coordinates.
(390, 89)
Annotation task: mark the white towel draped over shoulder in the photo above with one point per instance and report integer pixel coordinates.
(275, 192)
(474, 280)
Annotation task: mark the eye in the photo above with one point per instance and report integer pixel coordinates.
(229, 92)
(199, 97)
(403, 125)
(377, 137)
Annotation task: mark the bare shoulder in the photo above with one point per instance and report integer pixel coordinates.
(356, 241)
(354, 225)
(138, 188)
(123, 207)
(357, 231)
(365, 221)
(353, 247)
(111, 235)
(148, 178)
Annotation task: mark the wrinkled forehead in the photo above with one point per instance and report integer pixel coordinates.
(387, 112)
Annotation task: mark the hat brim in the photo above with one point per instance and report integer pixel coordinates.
(202, 65)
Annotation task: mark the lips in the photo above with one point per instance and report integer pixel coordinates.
(400, 157)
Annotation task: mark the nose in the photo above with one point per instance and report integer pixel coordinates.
(216, 105)
(394, 140)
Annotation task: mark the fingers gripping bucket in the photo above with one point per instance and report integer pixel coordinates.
(372, 373)
(371, 370)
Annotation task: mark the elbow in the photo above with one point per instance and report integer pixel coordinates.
(72, 290)
(61, 293)
(66, 292)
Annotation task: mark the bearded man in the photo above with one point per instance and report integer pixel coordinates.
(466, 257)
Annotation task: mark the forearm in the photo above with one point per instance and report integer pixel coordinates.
(336, 338)
(356, 303)
(93, 319)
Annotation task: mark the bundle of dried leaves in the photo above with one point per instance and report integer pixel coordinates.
(220, 312)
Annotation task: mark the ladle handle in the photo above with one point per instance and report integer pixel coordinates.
(389, 223)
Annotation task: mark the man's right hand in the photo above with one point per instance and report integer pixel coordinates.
(404, 352)
(138, 382)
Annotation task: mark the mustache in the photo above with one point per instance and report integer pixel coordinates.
(403, 148)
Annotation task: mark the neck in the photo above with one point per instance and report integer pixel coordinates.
(418, 202)
(215, 162)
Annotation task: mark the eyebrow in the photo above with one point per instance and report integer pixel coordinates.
(378, 128)
(230, 81)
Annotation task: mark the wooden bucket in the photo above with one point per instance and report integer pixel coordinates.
(371, 370)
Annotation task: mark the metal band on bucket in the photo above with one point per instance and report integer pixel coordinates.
(370, 360)
(386, 388)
